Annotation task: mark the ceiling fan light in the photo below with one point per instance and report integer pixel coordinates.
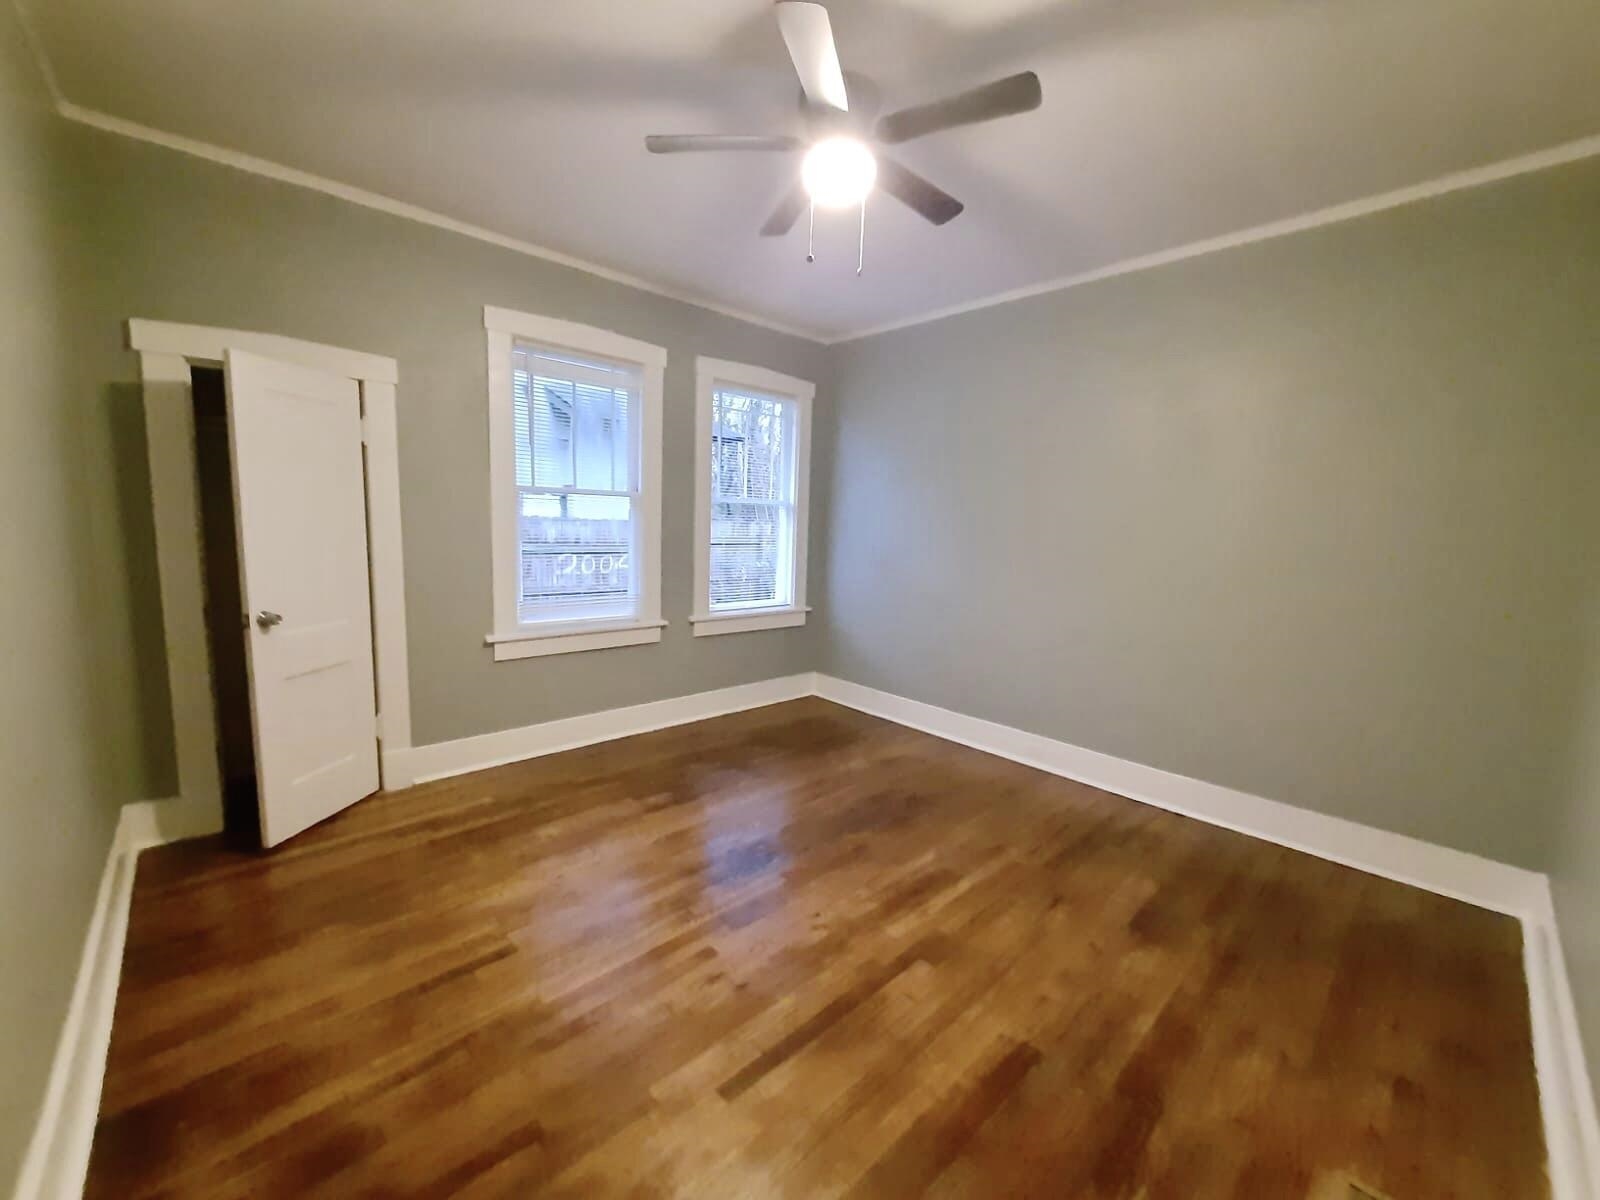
(838, 172)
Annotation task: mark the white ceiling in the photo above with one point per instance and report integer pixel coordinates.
(1164, 121)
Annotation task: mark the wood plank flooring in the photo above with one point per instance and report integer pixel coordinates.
(800, 952)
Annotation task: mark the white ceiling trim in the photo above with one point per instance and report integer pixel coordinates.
(1524, 164)
(1539, 160)
(47, 70)
(399, 208)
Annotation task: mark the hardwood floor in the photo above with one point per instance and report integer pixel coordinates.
(800, 952)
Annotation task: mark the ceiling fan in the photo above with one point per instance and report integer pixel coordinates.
(843, 157)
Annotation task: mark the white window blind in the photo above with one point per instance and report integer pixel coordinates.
(575, 423)
(752, 500)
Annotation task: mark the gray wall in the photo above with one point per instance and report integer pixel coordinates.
(1307, 518)
(176, 238)
(1311, 518)
(70, 735)
(95, 229)
(1575, 864)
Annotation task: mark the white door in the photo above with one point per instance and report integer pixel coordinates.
(300, 501)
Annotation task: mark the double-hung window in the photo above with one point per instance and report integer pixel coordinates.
(752, 462)
(575, 472)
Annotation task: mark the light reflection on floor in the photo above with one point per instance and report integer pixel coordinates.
(602, 906)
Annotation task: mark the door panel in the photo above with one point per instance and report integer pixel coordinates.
(295, 437)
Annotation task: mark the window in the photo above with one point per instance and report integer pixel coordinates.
(575, 470)
(751, 469)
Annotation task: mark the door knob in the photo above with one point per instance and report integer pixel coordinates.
(266, 620)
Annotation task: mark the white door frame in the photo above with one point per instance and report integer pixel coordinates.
(167, 351)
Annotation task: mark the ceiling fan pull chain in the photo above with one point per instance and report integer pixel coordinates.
(861, 245)
(811, 232)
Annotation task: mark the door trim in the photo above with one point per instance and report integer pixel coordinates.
(166, 352)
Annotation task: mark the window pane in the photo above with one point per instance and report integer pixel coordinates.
(747, 447)
(572, 434)
(603, 447)
(550, 431)
(576, 553)
(748, 552)
(521, 413)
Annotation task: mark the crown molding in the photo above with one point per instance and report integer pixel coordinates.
(411, 212)
(1524, 164)
(1539, 160)
(41, 60)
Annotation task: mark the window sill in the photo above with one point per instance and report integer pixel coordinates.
(569, 639)
(747, 621)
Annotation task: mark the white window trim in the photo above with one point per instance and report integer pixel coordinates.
(510, 639)
(708, 373)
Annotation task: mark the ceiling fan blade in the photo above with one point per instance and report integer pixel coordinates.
(1002, 98)
(787, 213)
(809, 36)
(916, 193)
(686, 143)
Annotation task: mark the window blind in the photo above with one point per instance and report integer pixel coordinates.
(575, 426)
(752, 501)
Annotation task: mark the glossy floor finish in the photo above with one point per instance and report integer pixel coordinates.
(800, 952)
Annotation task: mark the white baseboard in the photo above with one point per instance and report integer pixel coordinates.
(420, 764)
(57, 1159)
(1566, 1092)
(1572, 1134)
(58, 1155)
(157, 822)
(1453, 873)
